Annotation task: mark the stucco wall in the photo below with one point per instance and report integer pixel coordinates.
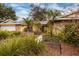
(9, 28)
(12, 27)
(20, 28)
(59, 26)
(36, 28)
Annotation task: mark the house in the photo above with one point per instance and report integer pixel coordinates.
(12, 26)
(61, 22)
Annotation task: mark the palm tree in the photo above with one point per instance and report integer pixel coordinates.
(29, 23)
(51, 15)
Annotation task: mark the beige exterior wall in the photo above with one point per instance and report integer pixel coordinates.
(35, 28)
(72, 15)
(20, 28)
(59, 26)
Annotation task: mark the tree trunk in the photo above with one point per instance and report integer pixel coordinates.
(52, 24)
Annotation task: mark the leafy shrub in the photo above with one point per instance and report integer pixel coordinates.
(4, 34)
(16, 33)
(7, 34)
(48, 38)
(70, 35)
(20, 46)
(25, 29)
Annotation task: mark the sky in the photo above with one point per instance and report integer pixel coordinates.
(22, 9)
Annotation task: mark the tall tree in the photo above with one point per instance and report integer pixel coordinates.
(51, 15)
(37, 13)
(29, 23)
(7, 12)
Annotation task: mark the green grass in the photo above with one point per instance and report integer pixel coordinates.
(20, 46)
(8, 34)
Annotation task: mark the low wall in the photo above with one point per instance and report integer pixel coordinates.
(61, 50)
(70, 50)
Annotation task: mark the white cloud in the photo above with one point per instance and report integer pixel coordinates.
(19, 20)
(37, 4)
(71, 8)
(55, 6)
(42, 5)
(13, 5)
(23, 13)
(20, 8)
(49, 6)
